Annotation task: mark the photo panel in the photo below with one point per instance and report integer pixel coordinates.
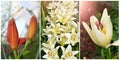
(99, 30)
(19, 29)
(60, 30)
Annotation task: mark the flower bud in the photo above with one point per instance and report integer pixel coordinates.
(32, 28)
(12, 34)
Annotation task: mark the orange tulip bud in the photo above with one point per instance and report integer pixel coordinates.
(32, 28)
(12, 34)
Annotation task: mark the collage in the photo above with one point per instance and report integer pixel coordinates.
(59, 30)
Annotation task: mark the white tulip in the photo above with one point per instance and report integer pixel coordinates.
(100, 32)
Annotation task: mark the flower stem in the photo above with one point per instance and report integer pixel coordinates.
(102, 54)
(26, 44)
(15, 55)
(109, 52)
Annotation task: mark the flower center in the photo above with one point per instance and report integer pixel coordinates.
(99, 25)
(69, 54)
(51, 54)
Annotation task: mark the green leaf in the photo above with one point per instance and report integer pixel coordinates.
(43, 21)
(115, 57)
(26, 52)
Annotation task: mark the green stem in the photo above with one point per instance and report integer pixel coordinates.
(26, 44)
(109, 53)
(15, 55)
(102, 54)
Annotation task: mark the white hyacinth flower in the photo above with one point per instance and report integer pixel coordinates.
(50, 42)
(68, 53)
(51, 53)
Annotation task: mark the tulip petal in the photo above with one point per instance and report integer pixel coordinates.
(116, 43)
(105, 20)
(109, 30)
(104, 16)
(99, 35)
(87, 28)
(101, 38)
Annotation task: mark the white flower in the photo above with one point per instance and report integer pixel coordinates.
(51, 53)
(53, 5)
(74, 37)
(62, 12)
(68, 53)
(70, 26)
(50, 42)
(100, 32)
(54, 29)
(61, 29)
(64, 38)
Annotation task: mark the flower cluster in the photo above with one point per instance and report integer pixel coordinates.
(62, 29)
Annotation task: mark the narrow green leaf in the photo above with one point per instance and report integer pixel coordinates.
(26, 52)
(43, 21)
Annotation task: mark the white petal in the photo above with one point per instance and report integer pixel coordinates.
(62, 56)
(74, 58)
(104, 16)
(75, 52)
(87, 28)
(116, 43)
(44, 44)
(93, 20)
(45, 50)
(45, 56)
(73, 31)
(109, 29)
(63, 50)
(107, 24)
(99, 35)
(69, 48)
(49, 36)
(57, 47)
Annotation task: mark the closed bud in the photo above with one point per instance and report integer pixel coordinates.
(32, 28)
(12, 34)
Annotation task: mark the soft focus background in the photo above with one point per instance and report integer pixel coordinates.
(87, 48)
(21, 11)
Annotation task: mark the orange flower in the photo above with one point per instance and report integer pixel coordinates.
(32, 28)
(12, 34)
